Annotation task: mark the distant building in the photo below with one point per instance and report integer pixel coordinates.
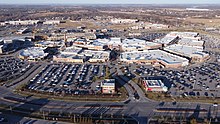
(134, 34)
(81, 35)
(22, 22)
(22, 31)
(155, 26)
(108, 86)
(136, 27)
(119, 21)
(80, 41)
(197, 9)
(51, 22)
(154, 85)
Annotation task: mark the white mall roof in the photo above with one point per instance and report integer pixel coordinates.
(33, 52)
(133, 41)
(153, 55)
(186, 50)
(182, 34)
(190, 42)
(165, 40)
(138, 43)
(115, 41)
(71, 50)
(95, 54)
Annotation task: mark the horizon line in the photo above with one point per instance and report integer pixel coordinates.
(109, 4)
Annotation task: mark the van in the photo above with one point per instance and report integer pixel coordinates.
(185, 94)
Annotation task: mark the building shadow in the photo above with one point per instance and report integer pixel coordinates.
(23, 107)
(196, 112)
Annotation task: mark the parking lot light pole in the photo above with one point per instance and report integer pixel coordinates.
(194, 84)
(10, 108)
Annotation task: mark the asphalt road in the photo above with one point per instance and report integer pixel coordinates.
(140, 110)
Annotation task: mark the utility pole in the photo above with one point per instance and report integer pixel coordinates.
(10, 109)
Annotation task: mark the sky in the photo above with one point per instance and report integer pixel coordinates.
(109, 1)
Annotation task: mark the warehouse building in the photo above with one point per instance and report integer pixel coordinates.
(123, 21)
(22, 22)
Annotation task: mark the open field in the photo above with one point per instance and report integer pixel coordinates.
(206, 22)
(74, 24)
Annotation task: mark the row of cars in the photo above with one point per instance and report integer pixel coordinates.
(152, 36)
(126, 71)
(200, 81)
(11, 68)
(66, 78)
(2, 119)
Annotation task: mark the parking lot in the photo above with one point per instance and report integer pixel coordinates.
(198, 81)
(11, 68)
(152, 36)
(72, 79)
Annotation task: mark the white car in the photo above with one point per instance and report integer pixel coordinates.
(2, 119)
(215, 104)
